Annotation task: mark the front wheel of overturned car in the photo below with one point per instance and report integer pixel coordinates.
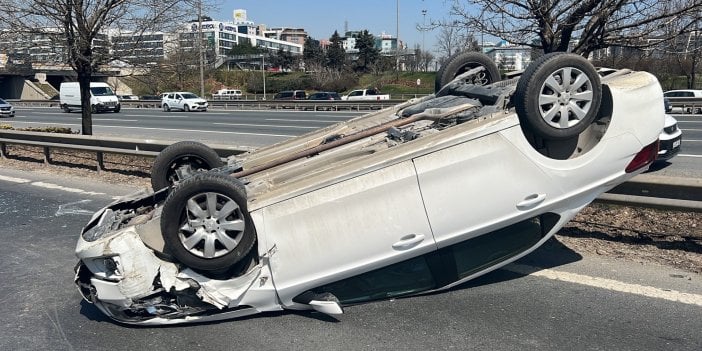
(205, 222)
(558, 96)
(180, 161)
(461, 63)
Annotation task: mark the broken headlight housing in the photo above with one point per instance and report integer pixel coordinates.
(108, 222)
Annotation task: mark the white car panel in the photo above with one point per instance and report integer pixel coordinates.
(457, 196)
(381, 208)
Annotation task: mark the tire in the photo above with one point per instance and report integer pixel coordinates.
(116, 110)
(93, 109)
(553, 110)
(166, 108)
(181, 160)
(464, 61)
(66, 109)
(204, 238)
(186, 108)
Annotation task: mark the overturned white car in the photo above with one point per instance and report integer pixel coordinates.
(416, 198)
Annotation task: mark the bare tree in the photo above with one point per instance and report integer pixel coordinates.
(454, 37)
(83, 25)
(554, 25)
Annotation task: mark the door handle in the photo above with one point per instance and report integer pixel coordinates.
(531, 201)
(408, 241)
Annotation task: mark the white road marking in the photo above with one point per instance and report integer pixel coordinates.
(156, 116)
(114, 119)
(63, 188)
(14, 180)
(263, 125)
(48, 185)
(298, 120)
(608, 284)
(687, 155)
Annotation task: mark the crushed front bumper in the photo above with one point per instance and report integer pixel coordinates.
(133, 283)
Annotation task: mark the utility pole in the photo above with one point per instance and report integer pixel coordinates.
(263, 73)
(397, 50)
(200, 50)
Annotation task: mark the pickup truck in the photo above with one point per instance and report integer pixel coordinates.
(365, 94)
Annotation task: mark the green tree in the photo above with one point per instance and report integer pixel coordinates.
(368, 55)
(283, 59)
(245, 48)
(336, 55)
(312, 55)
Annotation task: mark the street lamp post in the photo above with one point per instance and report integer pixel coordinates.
(199, 49)
(263, 73)
(397, 50)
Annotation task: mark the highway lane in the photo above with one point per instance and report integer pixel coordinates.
(256, 128)
(554, 299)
(251, 128)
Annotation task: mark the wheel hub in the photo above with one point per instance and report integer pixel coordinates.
(564, 98)
(211, 225)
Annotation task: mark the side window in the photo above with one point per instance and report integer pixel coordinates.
(356, 93)
(687, 94)
(403, 278)
(178, 97)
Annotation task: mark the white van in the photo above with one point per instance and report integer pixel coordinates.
(102, 97)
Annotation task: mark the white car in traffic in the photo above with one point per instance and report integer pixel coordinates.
(6, 109)
(184, 101)
(412, 199)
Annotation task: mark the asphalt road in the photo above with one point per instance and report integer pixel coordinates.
(256, 128)
(554, 299)
(247, 128)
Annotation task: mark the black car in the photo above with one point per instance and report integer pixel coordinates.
(325, 95)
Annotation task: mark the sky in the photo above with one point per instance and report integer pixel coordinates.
(321, 18)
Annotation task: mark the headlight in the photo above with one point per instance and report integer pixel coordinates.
(102, 227)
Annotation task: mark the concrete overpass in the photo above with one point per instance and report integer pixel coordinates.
(39, 81)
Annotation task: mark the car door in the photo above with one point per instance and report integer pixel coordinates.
(178, 101)
(344, 229)
(479, 186)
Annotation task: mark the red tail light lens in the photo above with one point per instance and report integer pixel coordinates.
(644, 158)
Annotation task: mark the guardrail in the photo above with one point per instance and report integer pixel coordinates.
(644, 190)
(301, 105)
(686, 104)
(98, 145)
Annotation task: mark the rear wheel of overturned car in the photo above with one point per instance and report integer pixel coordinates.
(461, 63)
(558, 96)
(180, 161)
(205, 223)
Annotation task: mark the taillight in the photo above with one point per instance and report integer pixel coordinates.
(644, 158)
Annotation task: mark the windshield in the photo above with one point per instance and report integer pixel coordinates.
(101, 91)
(189, 96)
